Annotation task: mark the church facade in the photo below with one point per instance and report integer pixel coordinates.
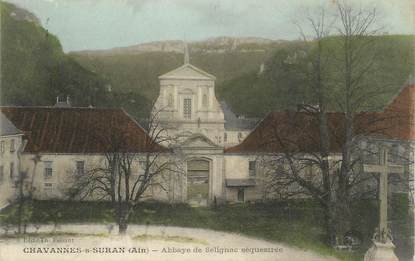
(201, 128)
(187, 105)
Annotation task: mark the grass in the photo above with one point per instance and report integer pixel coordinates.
(296, 223)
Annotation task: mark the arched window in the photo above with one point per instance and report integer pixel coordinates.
(170, 100)
(204, 100)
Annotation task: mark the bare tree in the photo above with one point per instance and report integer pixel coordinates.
(356, 91)
(120, 179)
(307, 171)
(303, 142)
(317, 83)
(299, 163)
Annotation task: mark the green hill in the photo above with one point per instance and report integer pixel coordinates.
(283, 84)
(35, 69)
(135, 69)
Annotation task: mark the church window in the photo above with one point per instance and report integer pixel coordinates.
(204, 100)
(48, 169)
(80, 167)
(252, 168)
(2, 146)
(187, 108)
(225, 137)
(170, 100)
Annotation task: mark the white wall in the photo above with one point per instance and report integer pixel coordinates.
(8, 157)
(237, 167)
(63, 169)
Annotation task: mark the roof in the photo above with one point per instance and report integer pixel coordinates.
(187, 71)
(232, 122)
(79, 130)
(6, 126)
(299, 132)
(240, 182)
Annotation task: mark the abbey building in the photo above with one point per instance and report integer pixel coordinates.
(224, 158)
(201, 128)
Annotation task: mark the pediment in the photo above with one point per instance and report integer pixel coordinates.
(199, 141)
(186, 91)
(188, 71)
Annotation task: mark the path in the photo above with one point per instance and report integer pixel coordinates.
(160, 243)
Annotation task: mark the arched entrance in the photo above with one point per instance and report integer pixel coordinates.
(198, 182)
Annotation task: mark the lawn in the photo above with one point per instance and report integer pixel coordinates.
(297, 223)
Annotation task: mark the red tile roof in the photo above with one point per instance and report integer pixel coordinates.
(298, 131)
(79, 130)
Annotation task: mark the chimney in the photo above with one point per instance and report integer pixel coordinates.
(63, 104)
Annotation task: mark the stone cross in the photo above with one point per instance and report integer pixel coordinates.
(383, 169)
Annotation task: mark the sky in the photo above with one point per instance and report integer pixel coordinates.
(104, 24)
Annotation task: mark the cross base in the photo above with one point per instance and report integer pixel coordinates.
(381, 252)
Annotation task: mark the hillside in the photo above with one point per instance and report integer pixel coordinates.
(35, 69)
(236, 63)
(283, 84)
(211, 45)
(136, 68)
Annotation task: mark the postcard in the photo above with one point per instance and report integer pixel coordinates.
(207, 130)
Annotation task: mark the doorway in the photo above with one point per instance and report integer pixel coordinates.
(198, 182)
